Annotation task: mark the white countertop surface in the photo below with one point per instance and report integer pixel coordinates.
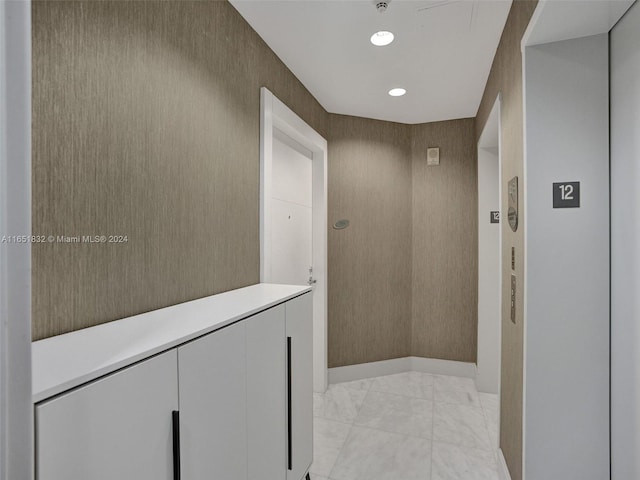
(67, 361)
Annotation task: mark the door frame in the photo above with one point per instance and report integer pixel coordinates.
(491, 135)
(490, 336)
(276, 115)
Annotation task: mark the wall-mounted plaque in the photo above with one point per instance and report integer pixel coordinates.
(433, 156)
(494, 216)
(512, 213)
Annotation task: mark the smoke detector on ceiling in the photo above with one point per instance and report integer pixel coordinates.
(381, 5)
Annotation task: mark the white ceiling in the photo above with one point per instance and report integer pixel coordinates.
(442, 54)
(557, 20)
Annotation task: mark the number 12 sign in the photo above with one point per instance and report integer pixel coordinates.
(566, 195)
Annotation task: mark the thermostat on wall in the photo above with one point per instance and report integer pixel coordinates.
(433, 156)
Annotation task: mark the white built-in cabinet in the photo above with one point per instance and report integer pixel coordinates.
(116, 427)
(300, 411)
(267, 395)
(231, 404)
(213, 405)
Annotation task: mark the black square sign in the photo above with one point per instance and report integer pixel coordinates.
(566, 195)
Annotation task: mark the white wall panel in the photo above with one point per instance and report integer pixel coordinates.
(16, 412)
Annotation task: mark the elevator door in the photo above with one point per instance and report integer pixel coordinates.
(625, 246)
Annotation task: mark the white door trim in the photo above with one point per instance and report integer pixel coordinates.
(276, 115)
(16, 414)
(489, 330)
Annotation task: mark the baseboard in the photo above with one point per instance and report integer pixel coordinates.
(486, 386)
(368, 370)
(401, 365)
(503, 471)
(443, 367)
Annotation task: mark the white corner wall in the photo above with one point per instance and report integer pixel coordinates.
(566, 406)
(625, 247)
(16, 414)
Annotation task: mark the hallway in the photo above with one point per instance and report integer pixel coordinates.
(404, 427)
(138, 181)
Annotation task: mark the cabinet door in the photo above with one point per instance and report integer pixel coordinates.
(213, 427)
(116, 427)
(299, 331)
(266, 395)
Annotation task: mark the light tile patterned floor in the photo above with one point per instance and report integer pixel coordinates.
(409, 426)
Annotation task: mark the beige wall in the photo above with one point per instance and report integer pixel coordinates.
(370, 261)
(445, 242)
(506, 77)
(403, 275)
(146, 124)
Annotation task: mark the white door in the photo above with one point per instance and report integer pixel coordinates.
(292, 211)
(625, 252)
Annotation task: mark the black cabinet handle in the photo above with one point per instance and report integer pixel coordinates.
(289, 430)
(175, 420)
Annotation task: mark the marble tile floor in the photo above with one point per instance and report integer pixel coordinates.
(408, 426)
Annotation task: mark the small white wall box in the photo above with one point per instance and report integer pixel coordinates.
(433, 156)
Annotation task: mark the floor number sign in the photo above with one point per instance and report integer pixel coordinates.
(566, 195)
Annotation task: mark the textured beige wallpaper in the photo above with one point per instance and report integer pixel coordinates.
(370, 261)
(146, 124)
(506, 77)
(445, 242)
(403, 275)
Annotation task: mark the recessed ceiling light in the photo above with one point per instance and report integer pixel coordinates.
(397, 92)
(380, 39)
